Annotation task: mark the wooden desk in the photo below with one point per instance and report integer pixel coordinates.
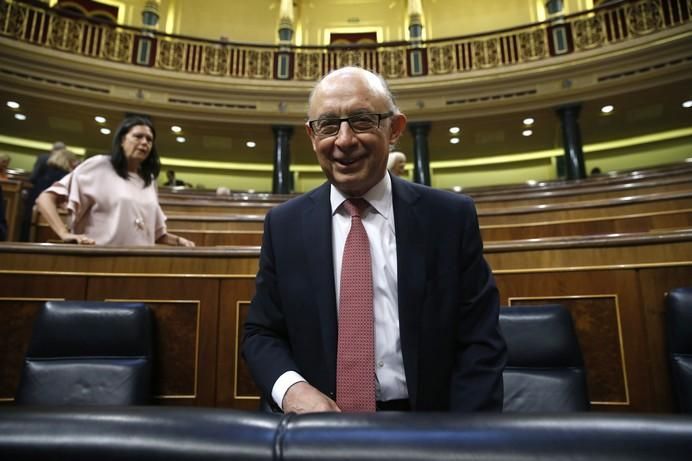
(613, 286)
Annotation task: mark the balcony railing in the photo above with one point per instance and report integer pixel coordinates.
(598, 28)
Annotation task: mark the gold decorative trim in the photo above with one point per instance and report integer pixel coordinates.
(252, 276)
(583, 220)
(197, 304)
(126, 274)
(237, 354)
(2, 298)
(614, 296)
(592, 268)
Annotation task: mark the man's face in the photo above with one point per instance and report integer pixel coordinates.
(353, 162)
(399, 167)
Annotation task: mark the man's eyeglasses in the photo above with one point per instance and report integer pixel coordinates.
(359, 123)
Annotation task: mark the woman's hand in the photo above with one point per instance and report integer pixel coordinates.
(79, 239)
(183, 242)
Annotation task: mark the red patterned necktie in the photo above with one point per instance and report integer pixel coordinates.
(355, 362)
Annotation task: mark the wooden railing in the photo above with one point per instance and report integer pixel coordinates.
(584, 31)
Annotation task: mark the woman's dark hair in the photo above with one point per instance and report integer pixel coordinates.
(151, 166)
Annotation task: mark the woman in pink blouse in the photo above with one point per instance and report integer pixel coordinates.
(113, 198)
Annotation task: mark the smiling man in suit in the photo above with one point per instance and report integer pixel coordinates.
(425, 335)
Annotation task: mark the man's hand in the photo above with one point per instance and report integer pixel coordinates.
(303, 398)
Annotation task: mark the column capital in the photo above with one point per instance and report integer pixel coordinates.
(420, 127)
(572, 107)
(283, 129)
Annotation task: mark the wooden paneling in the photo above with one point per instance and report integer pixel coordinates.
(186, 312)
(653, 283)
(206, 206)
(220, 237)
(613, 287)
(12, 196)
(587, 209)
(235, 387)
(586, 193)
(614, 224)
(21, 296)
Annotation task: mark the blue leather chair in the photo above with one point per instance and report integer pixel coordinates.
(545, 370)
(89, 353)
(679, 338)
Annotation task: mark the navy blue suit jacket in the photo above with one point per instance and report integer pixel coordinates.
(452, 348)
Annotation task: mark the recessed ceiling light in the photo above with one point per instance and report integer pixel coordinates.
(687, 104)
(454, 129)
(251, 144)
(13, 104)
(100, 119)
(528, 121)
(531, 182)
(105, 130)
(527, 132)
(180, 139)
(454, 140)
(176, 129)
(20, 116)
(607, 109)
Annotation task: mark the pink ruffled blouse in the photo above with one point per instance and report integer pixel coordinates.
(108, 208)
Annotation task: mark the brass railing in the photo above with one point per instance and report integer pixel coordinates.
(601, 27)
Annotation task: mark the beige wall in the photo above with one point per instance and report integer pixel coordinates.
(257, 20)
(315, 19)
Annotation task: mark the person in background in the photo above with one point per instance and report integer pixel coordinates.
(411, 322)
(172, 181)
(222, 191)
(4, 165)
(59, 163)
(42, 160)
(112, 198)
(396, 163)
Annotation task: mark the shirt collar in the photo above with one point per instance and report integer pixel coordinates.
(379, 197)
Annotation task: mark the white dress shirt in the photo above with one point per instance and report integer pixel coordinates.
(378, 221)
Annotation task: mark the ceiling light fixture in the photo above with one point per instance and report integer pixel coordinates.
(687, 104)
(100, 119)
(528, 121)
(20, 116)
(527, 132)
(13, 104)
(454, 140)
(607, 109)
(180, 139)
(105, 130)
(176, 129)
(251, 144)
(454, 130)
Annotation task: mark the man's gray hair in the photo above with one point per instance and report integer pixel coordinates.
(376, 82)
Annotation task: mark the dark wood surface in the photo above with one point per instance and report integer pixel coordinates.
(613, 286)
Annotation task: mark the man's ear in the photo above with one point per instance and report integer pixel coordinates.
(311, 135)
(398, 126)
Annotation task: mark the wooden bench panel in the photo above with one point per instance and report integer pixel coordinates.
(608, 283)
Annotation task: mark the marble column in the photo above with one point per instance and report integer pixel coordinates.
(421, 160)
(571, 139)
(281, 183)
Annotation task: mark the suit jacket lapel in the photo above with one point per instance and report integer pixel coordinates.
(317, 241)
(411, 270)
